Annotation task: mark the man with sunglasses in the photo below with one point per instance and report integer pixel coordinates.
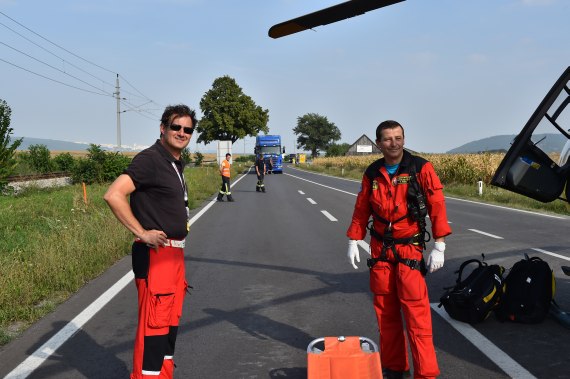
(158, 216)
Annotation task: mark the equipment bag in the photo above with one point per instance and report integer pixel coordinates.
(472, 299)
(529, 289)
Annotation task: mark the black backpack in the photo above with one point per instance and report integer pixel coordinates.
(529, 289)
(472, 299)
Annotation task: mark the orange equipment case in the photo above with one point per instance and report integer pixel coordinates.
(343, 358)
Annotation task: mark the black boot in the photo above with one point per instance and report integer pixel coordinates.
(230, 198)
(391, 374)
(220, 197)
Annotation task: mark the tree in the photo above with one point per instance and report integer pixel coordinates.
(229, 114)
(315, 133)
(337, 150)
(40, 158)
(7, 151)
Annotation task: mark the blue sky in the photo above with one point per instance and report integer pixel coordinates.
(451, 71)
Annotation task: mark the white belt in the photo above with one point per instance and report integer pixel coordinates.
(175, 243)
(172, 243)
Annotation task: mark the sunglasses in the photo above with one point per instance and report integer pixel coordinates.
(176, 128)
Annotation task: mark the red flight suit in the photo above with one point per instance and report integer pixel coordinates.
(397, 287)
(160, 297)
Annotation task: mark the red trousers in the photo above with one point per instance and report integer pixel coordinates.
(399, 290)
(161, 292)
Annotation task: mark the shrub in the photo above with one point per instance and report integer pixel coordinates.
(7, 151)
(114, 165)
(99, 166)
(39, 158)
(199, 158)
(186, 155)
(63, 162)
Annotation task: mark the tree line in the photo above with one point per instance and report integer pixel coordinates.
(228, 114)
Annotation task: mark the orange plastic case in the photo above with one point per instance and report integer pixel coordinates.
(343, 358)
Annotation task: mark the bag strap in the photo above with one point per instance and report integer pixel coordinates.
(464, 264)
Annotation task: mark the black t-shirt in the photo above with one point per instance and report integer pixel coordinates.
(158, 200)
(260, 163)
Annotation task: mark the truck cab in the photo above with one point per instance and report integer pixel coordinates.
(270, 147)
(537, 164)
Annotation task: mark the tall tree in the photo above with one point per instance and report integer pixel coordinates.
(229, 114)
(7, 150)
(337, 150)
(315, 133)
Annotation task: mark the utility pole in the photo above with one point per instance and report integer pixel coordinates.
(118, 96)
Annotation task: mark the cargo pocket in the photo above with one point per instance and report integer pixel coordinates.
(160, 309)
(411, 283)
(380, 283)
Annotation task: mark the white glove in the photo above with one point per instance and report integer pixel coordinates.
(353, 253)
(435, 259)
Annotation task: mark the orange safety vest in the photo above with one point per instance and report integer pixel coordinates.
(226, 168)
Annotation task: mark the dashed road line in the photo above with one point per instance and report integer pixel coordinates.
(322, 185)
(550, 253)
(328, 215)
(311, 201)
(301, 192)
(486, 234)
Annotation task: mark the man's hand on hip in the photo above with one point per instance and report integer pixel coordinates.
(154, 238)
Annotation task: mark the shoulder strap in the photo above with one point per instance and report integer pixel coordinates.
(373, 171)
(464, 264)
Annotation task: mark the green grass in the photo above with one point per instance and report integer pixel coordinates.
(52, 243)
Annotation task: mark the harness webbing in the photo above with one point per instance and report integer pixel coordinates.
(417, 211)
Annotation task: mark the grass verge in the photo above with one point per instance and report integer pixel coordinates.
(52, 243)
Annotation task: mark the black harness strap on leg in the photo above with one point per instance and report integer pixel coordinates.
(389, 242)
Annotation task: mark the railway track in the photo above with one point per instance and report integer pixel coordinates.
(35, 177)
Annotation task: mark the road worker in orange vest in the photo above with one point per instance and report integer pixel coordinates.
(225, 173)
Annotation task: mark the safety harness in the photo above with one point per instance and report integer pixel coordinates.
(417, 211)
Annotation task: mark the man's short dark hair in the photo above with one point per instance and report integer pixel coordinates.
(173, 112)
(228, 154)
(388, 124)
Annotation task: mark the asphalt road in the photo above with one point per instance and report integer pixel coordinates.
(270, 274)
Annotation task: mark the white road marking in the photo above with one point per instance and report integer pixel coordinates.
(496, 355)
(311, 201)
(507, 208)
(319, 184)
(301, 192)
(486, 234)
(328, 215)
(43, 352)
(47, 349)
(550, 253)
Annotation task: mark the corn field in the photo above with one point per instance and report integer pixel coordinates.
(451, 168)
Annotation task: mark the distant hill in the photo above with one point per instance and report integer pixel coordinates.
(56, 145)
(552, 143)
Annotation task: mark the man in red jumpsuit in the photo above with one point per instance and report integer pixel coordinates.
(397, 241)
(158, 216)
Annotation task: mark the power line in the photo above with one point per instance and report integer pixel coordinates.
(55, 44)
(55, 55)
(53, 80)
(55, 68)
(143, 112)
